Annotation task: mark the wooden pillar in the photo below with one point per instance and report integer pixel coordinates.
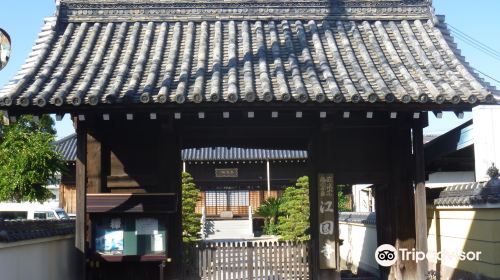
(170, 170)
(268, 173)
(420, 198)
(394, 203)
(81, 164)
(321, 156)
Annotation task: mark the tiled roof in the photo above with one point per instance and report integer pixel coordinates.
(12, 231)
(222, 153)
(367, 218)
(108, 52)
(67, 147)
(471, 195)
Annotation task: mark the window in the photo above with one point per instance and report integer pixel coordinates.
(239, 198)
(216, 198)
(40, 215)
(62, 215)
(13, 215)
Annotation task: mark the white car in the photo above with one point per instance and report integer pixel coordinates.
(31, 211)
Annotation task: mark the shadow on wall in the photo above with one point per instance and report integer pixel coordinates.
(358, 257)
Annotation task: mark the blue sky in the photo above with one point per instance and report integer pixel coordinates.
(22, 19)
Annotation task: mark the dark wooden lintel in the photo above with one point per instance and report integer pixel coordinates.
(132, 203)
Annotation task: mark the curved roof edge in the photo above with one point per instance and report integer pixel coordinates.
(397, 57)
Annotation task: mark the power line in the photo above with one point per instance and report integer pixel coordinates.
(474, 40)
(476, 44)
(486, 75)
(477, 47)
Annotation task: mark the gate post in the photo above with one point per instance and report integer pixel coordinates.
(250, 260)
(324, 254)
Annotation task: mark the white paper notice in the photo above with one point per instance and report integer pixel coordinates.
(146, 226)
(158, 243)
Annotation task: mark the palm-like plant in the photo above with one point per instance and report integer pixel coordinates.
(270, 210)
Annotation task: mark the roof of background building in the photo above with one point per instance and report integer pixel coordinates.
(12, 231)
(120, 52)
(67, 147)
(452, 149)
(471, 195)
(367, 218)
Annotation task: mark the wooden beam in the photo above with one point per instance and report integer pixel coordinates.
(420, 198)
(81, 164)
(438, 114)
(169, 170)
(460, 114)
(94, 164)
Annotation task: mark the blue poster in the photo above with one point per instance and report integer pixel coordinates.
(109, 242)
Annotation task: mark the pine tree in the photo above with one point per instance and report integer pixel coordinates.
(294, 223)
(191, 222)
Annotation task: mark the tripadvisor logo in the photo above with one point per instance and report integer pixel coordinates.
(387, 255)
(5, 48)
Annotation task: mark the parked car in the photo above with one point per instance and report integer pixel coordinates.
(31, 211)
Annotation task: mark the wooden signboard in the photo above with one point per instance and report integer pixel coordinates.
(326, 222)
(226, 172)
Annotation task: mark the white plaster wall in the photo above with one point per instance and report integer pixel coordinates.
(361, 198)
(486, 120)
(358, 248)
(40, 259)
(445, 179)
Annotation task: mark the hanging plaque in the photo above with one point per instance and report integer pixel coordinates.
(226, 172)
(326, 222)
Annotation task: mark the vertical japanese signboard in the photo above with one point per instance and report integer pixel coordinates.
(326, 221)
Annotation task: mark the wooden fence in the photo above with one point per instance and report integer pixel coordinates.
(246, 261)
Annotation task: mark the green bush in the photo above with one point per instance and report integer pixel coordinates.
(293, 224)
(191, 223)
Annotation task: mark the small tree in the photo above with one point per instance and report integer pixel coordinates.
(28, 160)
(191, 223)
(270, 210)
(343, 200)
(294, 224)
